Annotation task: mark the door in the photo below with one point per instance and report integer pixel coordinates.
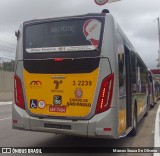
(125, 101)
(128, 87)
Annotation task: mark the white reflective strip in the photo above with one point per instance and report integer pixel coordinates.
(5, 103)
(59, 49)
(5, 118)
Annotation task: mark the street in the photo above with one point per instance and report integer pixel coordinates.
(17, 138)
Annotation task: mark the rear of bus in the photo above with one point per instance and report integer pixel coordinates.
(63, 77)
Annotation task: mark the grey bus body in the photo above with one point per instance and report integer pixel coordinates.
(129, 93)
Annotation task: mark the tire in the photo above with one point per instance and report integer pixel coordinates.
(148, 108)
(152, 106)
(134, 130)
(146, 114)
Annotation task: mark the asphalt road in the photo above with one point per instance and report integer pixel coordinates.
(17, 138)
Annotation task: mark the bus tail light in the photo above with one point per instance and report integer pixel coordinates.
(105, 94)
(18, 93)
(58, 59)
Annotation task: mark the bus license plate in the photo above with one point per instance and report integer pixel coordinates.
(61, 109)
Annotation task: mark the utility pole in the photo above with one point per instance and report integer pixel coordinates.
(159, 42)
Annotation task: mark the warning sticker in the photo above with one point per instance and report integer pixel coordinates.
(41, 104)
(57, 99)
(92, 29)
(33, 103)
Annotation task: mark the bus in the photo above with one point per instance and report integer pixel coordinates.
(152, 89)
(78, 75)
(156, 77)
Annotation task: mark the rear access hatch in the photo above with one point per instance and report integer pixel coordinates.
(69, 94)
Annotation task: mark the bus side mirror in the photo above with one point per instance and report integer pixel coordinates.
(150, 79)
(17, 33)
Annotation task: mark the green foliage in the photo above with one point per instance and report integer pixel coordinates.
(7, 66)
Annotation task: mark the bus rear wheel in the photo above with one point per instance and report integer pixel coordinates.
(134, 130)
(147, 109)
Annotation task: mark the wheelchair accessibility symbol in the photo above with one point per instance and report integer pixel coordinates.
(33, 103)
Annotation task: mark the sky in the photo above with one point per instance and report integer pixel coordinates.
(135, 17)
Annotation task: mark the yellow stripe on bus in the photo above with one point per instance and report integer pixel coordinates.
(60, 94)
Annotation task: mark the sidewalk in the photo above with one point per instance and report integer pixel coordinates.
(6, 96)
(157, 131)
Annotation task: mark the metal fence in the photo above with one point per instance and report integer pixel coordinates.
(6, 79)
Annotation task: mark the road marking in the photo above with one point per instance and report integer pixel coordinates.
(157, 131)
(5, 118)
(5, 103)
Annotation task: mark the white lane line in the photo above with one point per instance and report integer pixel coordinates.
(5, 103)
(5, 118)
(157, 131)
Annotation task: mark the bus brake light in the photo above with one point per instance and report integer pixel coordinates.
(58, 59)
(18, 93)
(105, 95)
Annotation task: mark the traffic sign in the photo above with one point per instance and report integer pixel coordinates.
(102, 2)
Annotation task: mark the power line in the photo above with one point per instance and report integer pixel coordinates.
(7, 47)
(8, 43)
(8, 35)
(7, 31)
(7, 51)
(10, 38)
(7, 54)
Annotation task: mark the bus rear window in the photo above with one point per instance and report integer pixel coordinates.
(64, 35)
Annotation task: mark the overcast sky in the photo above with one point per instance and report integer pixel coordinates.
(135, 17)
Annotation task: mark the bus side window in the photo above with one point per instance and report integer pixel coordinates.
(121, 65)
(133, 72)
(142, 76)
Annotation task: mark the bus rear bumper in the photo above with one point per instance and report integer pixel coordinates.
(88, 128)
(104, 125)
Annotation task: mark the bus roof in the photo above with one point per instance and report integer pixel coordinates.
(65, 17)
(155, 71)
